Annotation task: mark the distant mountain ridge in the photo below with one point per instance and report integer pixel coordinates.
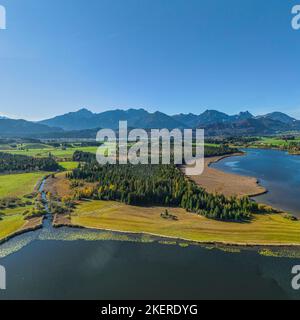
(215, 122)
(279, 116)
(86, 123)
(23, 128)
(136, 118)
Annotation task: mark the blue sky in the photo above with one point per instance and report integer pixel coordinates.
(174, 56)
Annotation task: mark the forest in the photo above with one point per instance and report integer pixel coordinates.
(164, 185)
(18, 163)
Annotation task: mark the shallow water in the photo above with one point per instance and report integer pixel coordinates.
(276, 170)
(71, 263)
(51, 269)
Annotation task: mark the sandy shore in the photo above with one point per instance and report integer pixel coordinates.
(229, 184)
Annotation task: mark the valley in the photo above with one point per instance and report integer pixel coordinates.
(72, 203)
(80, 201)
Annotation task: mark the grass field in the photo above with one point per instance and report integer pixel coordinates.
(56, 152)
(40, 151)
(15, 211)
(270, 229)
(69, 165)
(18, 185)
(275, 142)
(10, 224)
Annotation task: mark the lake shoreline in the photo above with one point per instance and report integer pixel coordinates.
(261, 192)
(32, 224)
(65, 221)
(229, 184)
(240, 245)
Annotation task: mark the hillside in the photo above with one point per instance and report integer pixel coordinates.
(23, 128)
(84, 123)
(137, 118)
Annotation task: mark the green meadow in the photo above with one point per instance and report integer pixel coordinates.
(66, 153)
(18, 185)
(69, 165)
(275, 142)
(10, 224)
(263, 229)
(42, 150)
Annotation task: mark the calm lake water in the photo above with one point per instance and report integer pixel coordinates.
(276, 170)
(78, 269)
(69, 263)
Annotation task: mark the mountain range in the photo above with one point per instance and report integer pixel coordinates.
(215, 123)
(136, 118)
(23, 128)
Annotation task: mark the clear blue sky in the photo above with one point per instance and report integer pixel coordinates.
(170, 55)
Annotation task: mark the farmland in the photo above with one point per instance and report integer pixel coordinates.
(69, 165)
(61, 153)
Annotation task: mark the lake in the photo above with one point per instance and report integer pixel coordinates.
(69, 263)
(45, 268)
(276, 170)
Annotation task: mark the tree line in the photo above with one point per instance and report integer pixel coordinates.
(209, 151)
(19, 163)
(163, 185)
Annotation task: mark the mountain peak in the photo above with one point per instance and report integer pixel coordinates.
(212, 116)
(279, 116)
(212, 111)
(244, 115)
(84, 111)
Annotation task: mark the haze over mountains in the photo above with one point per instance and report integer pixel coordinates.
(137, 118)
(84, 123)
(215, 122)
(23, 128)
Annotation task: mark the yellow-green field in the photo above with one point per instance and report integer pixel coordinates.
(56, 152)
(69, 165)
(11, 221)
(272, 229)
(18, 185)
(15, 211)
(274, 142)
(41, 151)
(10, 224)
